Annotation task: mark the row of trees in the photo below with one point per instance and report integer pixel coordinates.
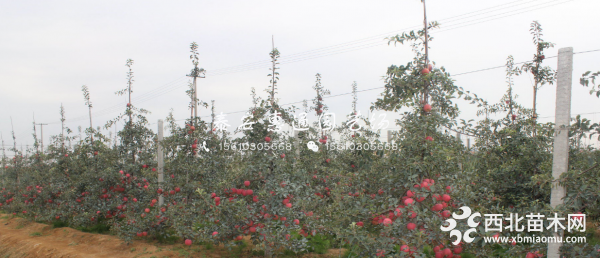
(380, 202)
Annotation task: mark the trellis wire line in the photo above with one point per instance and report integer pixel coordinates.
(161, 90)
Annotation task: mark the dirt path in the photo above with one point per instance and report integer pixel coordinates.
(22, 238)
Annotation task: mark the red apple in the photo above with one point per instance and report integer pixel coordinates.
(405, 248)
(427, 108)
(446, 198)
(267, 139)
(188, 242)
(446, 214)
(412, 214)
(457, 250)
(411, 226)
(425, 71)
(578, 217)
(387, 222)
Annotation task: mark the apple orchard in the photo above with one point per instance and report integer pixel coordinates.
(372, 203)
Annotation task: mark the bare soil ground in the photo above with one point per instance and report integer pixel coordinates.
(23, 238)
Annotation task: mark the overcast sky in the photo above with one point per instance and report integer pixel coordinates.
(49, 49)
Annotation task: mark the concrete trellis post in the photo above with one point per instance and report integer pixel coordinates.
(560, 161)
(160, 159)
(297, 143)
(460, 166)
